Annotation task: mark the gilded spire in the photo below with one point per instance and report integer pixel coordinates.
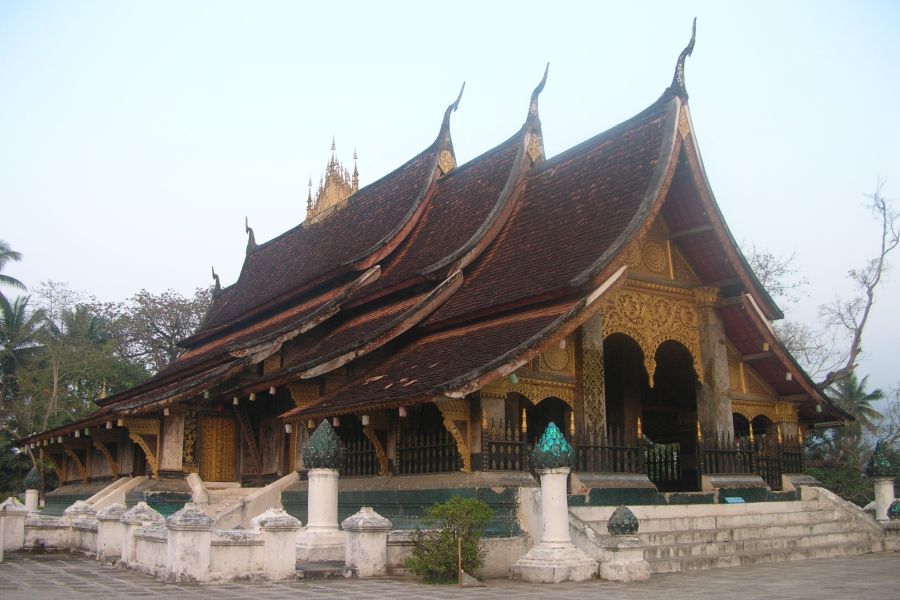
(335, 187)
(678, 84)
(251, 240)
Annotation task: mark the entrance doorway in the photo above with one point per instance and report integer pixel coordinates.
(540, 415)
(669, 417)
(218, 439)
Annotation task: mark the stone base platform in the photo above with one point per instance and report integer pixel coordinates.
(554, 563)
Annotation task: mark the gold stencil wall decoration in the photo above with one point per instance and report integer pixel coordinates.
(189, 446)
(650, 320)
(559, 360)
(593, 388)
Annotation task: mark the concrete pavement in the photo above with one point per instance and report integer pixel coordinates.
(71, 577)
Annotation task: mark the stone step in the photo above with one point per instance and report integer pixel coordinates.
(702, 523)
(758, 557)
(662, 538)
(778, 544)
(323, 570)
(602, 513)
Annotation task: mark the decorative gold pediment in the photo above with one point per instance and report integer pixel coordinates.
(651, 319)
(558, 360)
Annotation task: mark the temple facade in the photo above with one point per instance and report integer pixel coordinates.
(441, 317)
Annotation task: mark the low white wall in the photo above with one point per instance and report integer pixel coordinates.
(84, 536)
(150, 545)
(46, 533)
(236, 553)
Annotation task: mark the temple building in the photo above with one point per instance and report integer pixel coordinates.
(441, 317)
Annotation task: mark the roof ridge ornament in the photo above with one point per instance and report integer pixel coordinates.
(251, 239)
(217, 288)
(446, 158)
(533, 106)
(678, 85)
(534, 137)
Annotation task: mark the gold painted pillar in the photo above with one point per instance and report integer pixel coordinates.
(593, 384)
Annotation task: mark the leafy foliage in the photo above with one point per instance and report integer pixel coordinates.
(456, 521)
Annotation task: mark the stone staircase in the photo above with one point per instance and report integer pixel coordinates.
(705, 536)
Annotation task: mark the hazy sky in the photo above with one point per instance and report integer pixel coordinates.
(135, 136)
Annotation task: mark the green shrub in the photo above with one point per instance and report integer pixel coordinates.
(434, 556)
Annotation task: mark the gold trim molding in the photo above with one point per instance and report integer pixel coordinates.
(372, 436)
(534, 390)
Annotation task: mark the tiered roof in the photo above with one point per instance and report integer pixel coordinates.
(462, 274)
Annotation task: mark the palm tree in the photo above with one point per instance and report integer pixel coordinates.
(7, 255)
(19, 331)
(853, 397)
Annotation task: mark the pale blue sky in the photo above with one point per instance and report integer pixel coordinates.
(135, 136)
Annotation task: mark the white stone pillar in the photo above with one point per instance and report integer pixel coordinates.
(884, 495)
(138, 516)
(31, 500)
(188, 548)
(110, 532)
(555, 505)
(279, 531)
(323, 499)
(321, 540)
(555, 558)
(367, 533)
(13, 514)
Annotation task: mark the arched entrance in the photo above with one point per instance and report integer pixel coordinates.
(741, 425)
(669, 417)
(539, 416)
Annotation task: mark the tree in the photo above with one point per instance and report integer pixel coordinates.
(831, 351)
(19, 331)
(8, 255)
(147, 328)
(851, 316)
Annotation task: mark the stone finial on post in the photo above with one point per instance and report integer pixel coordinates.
(323, 455)
(555, 558)
(188, 547)
(879, 469)
(139, 515)
(367, 533)
(622, 556)
(279, 531)
(110, 533)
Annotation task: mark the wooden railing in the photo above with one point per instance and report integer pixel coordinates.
(430, 452)
(761, 456)
(611, 451)
(360, 459)
(503, 447)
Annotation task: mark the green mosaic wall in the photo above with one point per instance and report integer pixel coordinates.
(405, 508)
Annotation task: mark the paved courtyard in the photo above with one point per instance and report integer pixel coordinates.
(69, 577)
